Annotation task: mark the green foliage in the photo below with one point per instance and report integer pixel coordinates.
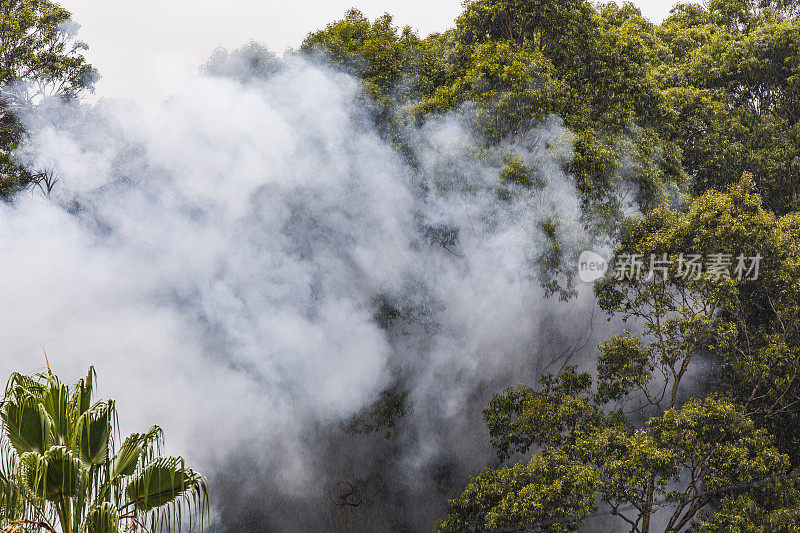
(750, 326)
(517, 172)
(588, 456)
(732, 80)
(61, 469)
(550, 490)
(624, 363)
(555, 270)
(38, 58)
(514, 89)
(710, 93)
(522, 417)
(720, 462)
(559, 29)
(373, 51)
(383, 415)
(509, 65)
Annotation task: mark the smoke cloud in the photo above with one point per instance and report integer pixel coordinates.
(253, 265)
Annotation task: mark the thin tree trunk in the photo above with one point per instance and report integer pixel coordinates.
(647, 510)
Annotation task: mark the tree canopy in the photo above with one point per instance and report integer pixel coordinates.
(39, 57)
(684, 106)
(637, 438)
(685, 140)
(688, 420)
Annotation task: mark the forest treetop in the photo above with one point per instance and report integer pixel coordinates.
(688, 105)
(698, 116)
(691, 124)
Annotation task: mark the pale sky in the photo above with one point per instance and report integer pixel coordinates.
(147, 48)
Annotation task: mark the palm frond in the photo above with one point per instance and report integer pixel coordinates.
(56, 403)
(65, 473)
(83, 392)
(10, 503)
(28, 425)
(164, 488)
(103, 518)
(127, 458)
(59, 464)
(93, 433)
(31, 476)
(20, 386)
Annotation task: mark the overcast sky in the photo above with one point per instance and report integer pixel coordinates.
(145, 49)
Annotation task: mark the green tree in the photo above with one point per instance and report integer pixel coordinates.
(514, 88)
(748, 327)
(732, 79)
(646, 441)
(62, 469)
(708, 94)
(373, 51)
(680, 463)
(39, 58)
(558, 29)
(508, 66)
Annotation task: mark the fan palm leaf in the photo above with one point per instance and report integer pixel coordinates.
(28, 426)
(103, 518)
(60, 467)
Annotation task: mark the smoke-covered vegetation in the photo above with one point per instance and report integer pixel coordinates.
(344, 280)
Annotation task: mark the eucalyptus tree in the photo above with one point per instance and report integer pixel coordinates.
(64, 468)
(655, 438)
(39, 57)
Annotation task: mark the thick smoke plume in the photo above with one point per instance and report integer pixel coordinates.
(253, 265)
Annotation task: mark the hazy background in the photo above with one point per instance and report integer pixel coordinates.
(142, 48)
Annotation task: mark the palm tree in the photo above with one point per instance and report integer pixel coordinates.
(61, 471)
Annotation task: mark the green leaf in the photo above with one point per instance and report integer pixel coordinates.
(92, 434)
(56, 403)
(29, 426)
(163, 481)
(32, 474)
(51, 475)
(9, 495)
(82, 397)
(64, 472)
(124, 463)
(103, 519)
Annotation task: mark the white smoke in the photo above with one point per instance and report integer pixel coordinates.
(219, 262)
